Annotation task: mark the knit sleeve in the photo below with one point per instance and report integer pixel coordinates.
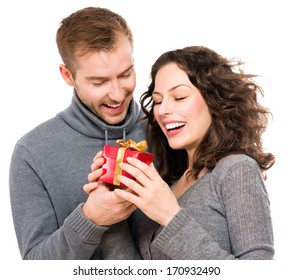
(247, 207)
(184, 239)
(117, 243)
(244, 198)
(38, 233)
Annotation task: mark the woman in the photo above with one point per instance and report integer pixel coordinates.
(204, 126)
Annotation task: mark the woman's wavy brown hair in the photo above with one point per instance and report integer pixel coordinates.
(238, 120)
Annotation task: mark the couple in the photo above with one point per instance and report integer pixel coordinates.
(203, 198)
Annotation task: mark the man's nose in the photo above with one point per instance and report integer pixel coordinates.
(116, 92)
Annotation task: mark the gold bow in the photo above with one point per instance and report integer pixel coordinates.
(140, 146)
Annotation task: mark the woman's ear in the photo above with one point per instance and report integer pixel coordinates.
(66, 74)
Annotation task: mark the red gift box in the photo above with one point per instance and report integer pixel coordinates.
(115, 155)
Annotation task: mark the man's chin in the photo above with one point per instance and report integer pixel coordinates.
(115, 120)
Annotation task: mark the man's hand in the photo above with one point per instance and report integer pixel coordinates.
(103, 207)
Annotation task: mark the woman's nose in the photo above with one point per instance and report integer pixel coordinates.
(164, 108)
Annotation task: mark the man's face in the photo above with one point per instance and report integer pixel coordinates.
(105, 81)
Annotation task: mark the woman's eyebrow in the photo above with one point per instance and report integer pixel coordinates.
(172, 88)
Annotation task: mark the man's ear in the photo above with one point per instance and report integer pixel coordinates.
(66, 74)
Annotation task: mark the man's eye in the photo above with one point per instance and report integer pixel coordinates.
(126, 75)
(99, 84)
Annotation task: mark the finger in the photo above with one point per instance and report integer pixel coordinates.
(98, 155)
(133, 186)
(130, 197)
(148, 170)
(88, 188)
(97, 163)
(126, 189)
(95, 175)
(139, 175)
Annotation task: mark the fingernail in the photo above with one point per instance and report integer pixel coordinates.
(129, 159)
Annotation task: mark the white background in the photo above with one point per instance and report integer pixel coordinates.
(32, 90)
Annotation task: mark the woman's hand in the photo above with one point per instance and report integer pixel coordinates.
(149, 192)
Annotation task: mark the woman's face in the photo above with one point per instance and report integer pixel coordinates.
(179, 108)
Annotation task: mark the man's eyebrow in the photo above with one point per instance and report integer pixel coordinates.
(94, 78)
(172, 88)
(127, 70)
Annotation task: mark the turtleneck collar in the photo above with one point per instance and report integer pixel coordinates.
(81, 119)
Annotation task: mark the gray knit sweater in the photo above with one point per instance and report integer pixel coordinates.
(49, 167)
(225, 215)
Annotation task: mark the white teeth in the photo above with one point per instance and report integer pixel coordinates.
(113, 106)
(170, 126)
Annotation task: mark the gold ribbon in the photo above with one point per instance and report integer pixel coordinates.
(140, 146)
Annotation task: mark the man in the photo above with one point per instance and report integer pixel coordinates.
(53, 217)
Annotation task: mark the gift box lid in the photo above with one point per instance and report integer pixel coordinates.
(112, 151)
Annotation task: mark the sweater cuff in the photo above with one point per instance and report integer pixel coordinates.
(172, 229)
(83, 227)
